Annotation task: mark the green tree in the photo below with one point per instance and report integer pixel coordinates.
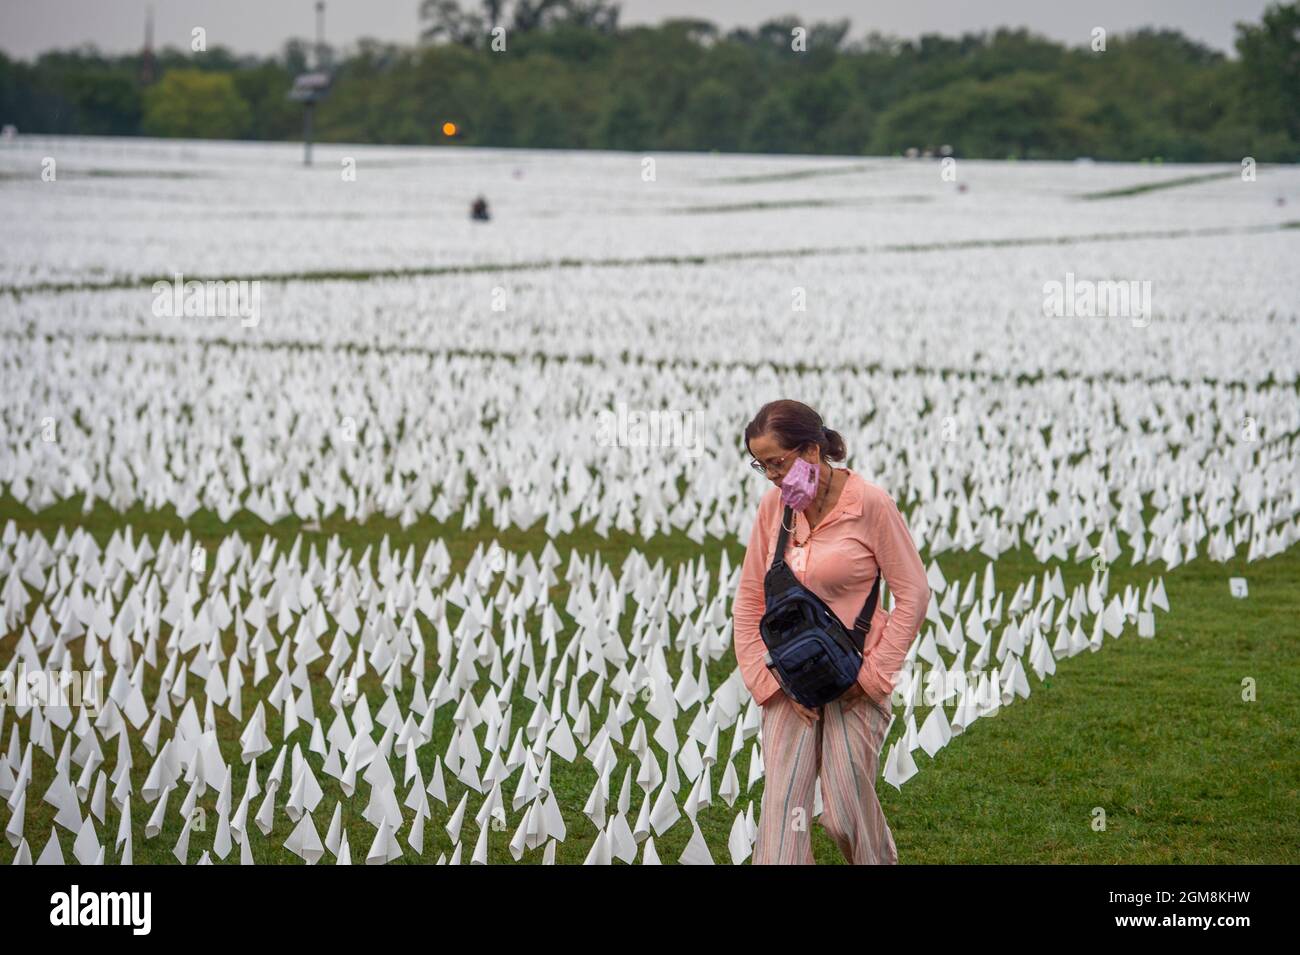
(105, 102)
(712, 116)
(196, 104)
(1270, 65)
(774, 128)
(817, 101)
(625, 124)
(572, 77)
(850, 132)
(265, 88)
(1026, 115)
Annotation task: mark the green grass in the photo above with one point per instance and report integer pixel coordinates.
(1155, 732)
(1137, 190)
(766, 205)
(1152, 731)
(814, 172)
(64, 174)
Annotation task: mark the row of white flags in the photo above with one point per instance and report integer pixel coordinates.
(1061, 467)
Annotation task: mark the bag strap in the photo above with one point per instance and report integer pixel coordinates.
(863, 623)
(778, 558)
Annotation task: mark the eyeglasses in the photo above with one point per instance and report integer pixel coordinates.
(764, 469)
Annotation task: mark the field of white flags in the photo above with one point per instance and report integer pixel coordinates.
(340, 528)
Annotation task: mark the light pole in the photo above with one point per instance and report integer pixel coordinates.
(310, 88)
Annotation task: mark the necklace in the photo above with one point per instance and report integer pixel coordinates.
(822, 500)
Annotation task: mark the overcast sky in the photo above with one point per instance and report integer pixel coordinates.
(28, 27)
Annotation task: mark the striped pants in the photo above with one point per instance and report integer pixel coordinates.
(842, 749)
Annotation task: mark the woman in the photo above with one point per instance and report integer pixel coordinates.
(851, 529)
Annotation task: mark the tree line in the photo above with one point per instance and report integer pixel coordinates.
(566, 74)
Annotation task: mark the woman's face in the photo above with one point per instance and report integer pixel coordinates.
(767, 449)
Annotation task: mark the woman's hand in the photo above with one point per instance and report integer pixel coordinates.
(854, 692)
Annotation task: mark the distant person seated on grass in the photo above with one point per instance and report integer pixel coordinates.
(479, 210)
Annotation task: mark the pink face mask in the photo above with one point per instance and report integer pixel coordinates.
(799, 486)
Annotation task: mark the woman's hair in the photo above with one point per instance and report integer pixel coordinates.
(796, 426)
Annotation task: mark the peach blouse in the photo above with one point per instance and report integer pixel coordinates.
(838, 561)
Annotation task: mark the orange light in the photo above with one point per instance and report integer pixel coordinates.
(449, 129)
